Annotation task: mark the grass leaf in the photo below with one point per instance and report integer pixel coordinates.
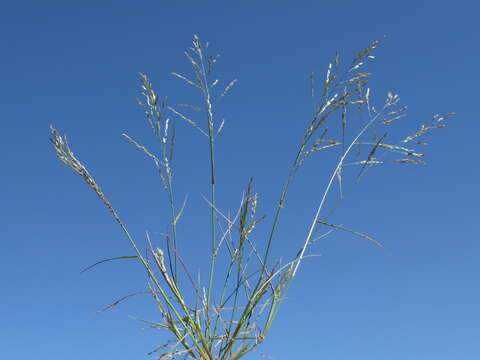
(106, 260)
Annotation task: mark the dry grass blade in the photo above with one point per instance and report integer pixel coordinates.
(370, 155)
(172, 354)
(410, 161)
(422, 131)
(340, 227)
(115, 303)
(106, 260)
(184, 78)
(192, 62)
(394, 115)
(369, 162)
(191, 122)
(227, 89)
(396, 149)
(144, 149)
(220, 128)
(193, 107)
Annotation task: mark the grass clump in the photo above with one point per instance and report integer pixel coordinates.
(228, 319)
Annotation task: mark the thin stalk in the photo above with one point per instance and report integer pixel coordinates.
(211, 137)
(226, 281)
(174, 229)
(327, 189)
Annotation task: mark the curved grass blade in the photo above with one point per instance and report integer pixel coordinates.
(111, 259)
(340, 227)
(121, 299)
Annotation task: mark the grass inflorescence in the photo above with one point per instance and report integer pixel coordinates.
(229, 319)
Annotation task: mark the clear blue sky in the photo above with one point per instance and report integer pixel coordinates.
(76, 64)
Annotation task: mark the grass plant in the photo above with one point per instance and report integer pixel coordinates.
(229, 318)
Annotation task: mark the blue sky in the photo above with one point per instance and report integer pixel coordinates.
(76, 65)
